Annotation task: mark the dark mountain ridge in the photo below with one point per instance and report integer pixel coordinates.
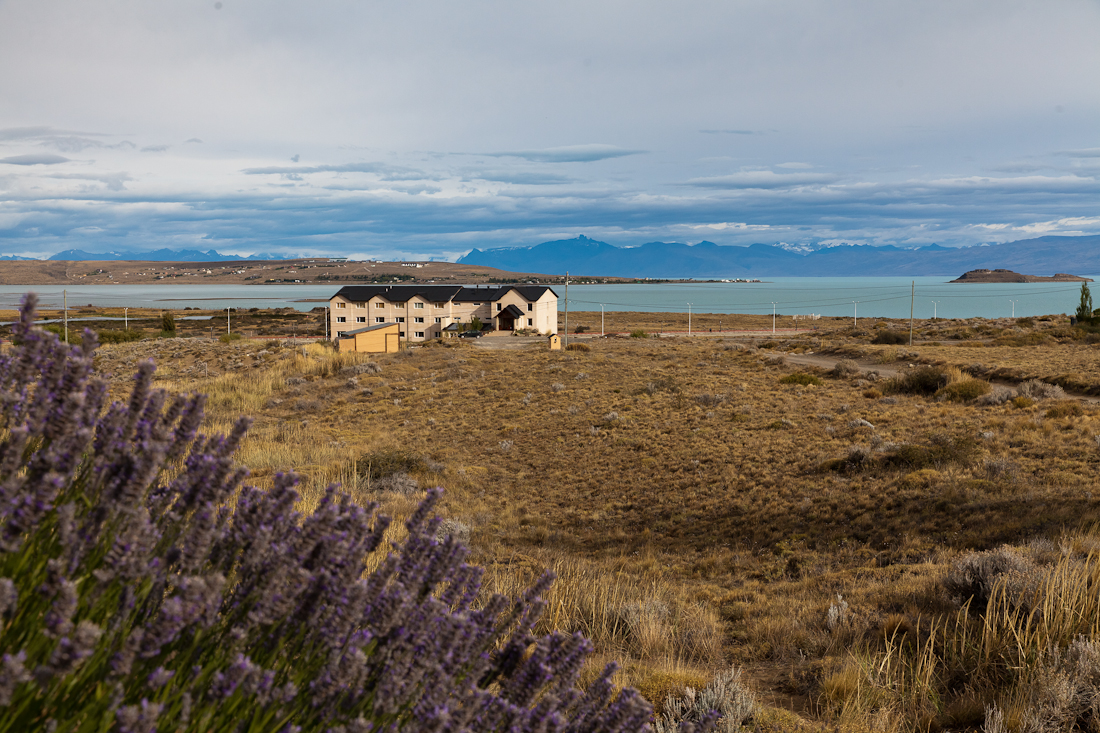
(589, 257)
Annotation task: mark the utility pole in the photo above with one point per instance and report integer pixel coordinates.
(773, 317)
(912, 299)
(126, 318)
(65, 312)
(565, 339)
(1013, 307)
(935, 307)
(602, 333)
(326, 322)
(227, 329)
(855, 313)
(689, 319)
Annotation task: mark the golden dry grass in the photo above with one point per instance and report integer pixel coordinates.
(693, 506)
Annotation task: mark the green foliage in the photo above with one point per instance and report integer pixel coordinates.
(964, 391)
(639, 334)
(226, 338)
(578, 347)
(475, 324)
(581, 329)
(119, 337)
(76, 337)
(168, 322)
(1084, 308)
(801, 378)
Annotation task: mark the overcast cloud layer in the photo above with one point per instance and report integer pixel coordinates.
(423, 128)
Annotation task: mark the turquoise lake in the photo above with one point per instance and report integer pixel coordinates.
(877, 297)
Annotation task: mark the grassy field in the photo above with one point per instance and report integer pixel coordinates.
(709, 502)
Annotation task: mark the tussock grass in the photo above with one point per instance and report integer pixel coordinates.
(696, 529)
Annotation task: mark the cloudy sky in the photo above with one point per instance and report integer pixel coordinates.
(422, 128)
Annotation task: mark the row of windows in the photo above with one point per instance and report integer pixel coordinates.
(382, 319)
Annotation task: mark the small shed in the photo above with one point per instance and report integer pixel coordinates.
(555, 342)
(383, 338)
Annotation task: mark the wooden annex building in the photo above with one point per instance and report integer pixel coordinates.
(382, 338)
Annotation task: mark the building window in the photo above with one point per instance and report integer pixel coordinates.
(400, 319)
(360, 319)
(341, 305)
(419, 334)
(530, 307)
(379, 319)
(439, 320)
(341, 319)
(437, 306)
(530, 322)
(379, 305)
(418, 320)
(398, 305)
(498, 306)
(340, 333)
(418, 306)
(401, 334)
(360, 305)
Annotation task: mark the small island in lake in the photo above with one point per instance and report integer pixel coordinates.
(1008, 276)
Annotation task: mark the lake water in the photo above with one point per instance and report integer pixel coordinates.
(884, 297)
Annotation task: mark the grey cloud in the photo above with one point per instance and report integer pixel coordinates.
(193, 140)
(569, 154)
(155, 148)
(295, 158)
(761, 179)
(519, 177)
(1083, 153)
(113, 181)
(386, 172)
(34, 159)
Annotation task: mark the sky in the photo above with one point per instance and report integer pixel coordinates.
(421, 129)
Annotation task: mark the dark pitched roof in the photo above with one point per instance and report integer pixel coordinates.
(511, 311)
(375, 327)
(399, 293)
(440, 293)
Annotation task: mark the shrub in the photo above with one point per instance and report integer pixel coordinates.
(890, 338)
(845, 368)
(144, 587)
(167, 322)
(1022, 403)
(726, 696)
(801, 378)
(711, 400)
(387, 462)
(964, 391)
(997, 395)
(974, 575)
(1039, 390)
(578, 347)
(580, 329)
(118, 337)
(1065, 408)
(639, 334)
(226, 338)
(925, 380)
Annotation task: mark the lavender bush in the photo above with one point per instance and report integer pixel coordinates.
(143, 587)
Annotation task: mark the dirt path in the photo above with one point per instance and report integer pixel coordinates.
(828, 362)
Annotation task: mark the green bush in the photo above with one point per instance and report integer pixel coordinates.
(225, 338)
(965, 391)
(167, 322)
(119, 337)
(801, 378)
(578, 347)
(923, 381)
(76, 335)
(639, 334)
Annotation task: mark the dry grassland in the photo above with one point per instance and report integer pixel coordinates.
(701, 511)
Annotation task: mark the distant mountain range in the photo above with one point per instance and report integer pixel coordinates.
(161, 255)
(584, 256)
